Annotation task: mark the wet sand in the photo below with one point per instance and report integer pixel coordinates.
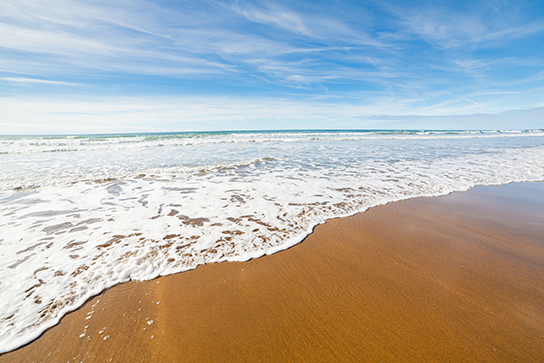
(457, 278)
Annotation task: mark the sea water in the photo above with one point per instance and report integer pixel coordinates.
(81, 213)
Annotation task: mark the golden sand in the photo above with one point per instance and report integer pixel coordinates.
(458, 278)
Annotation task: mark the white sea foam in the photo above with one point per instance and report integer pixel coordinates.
(93, 219)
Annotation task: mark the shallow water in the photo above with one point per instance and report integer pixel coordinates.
(81, 214)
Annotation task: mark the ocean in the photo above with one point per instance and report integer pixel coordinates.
(82, 213)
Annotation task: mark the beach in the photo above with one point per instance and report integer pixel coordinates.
(452, 278)
(271, 181)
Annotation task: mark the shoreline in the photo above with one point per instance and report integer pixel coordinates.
(380, 285)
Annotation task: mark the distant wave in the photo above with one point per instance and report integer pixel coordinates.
(113, 142)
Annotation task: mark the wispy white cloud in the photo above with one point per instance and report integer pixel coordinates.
(92, 37)
(535, 77)
(449, 28)
(51, 42)
(513, 32)
(306, 19)
(275, 16)
(477, 104)
(40, 81)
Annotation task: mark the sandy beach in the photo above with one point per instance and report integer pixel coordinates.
(458, 278)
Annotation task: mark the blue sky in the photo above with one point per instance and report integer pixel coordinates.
(70, 66)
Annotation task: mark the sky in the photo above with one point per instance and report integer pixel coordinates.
(77, 66)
